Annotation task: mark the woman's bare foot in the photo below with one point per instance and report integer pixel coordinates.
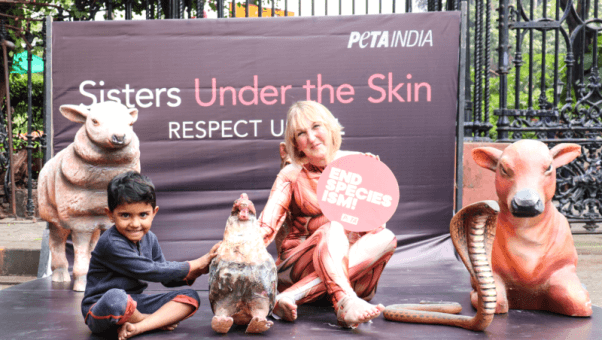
(285, 308)
(351, 311)
(127, 331)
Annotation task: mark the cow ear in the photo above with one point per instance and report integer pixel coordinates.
(283, 153)
(75, 113)
(487, 157)
(565, 153)
(134, 114)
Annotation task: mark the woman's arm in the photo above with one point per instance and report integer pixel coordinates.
(274, 212)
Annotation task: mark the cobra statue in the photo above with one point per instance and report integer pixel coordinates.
(472, 231)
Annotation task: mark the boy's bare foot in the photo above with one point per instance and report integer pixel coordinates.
(170, 327)
(351, 311)
(285, 308)
(127, 331)
(258, 325)
(141, 316)
(221, 324)
(137, 317)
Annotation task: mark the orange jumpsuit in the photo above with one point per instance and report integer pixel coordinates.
(318, 257)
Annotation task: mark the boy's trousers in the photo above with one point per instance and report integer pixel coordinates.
(116, 307)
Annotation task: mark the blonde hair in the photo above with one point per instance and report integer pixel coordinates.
(301, 112)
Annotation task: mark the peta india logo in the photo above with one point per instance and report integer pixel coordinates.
(378, 39)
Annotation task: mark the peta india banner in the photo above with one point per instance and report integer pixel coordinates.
(212, 97)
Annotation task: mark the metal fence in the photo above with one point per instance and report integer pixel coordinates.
(547, 87)
(190, 9)
(7, 159)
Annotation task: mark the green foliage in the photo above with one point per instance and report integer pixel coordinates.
(19, 29)
(588, 58)
(518, 97)
(18, 92)
(518, 93)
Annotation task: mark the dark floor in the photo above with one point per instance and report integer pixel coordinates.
(41, 309)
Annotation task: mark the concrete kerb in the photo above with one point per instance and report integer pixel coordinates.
(21, 242)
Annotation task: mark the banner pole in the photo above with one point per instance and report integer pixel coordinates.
(461, 107)
(9, 120)
(44, 263)
(48, 126)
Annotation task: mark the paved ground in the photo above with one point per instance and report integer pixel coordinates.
(26, 236)
(19, 240)
(21, 234)
(589, 267)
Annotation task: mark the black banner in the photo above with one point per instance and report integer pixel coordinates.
(213, 96)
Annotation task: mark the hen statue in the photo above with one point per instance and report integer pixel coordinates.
(533, 258)
(242, 277)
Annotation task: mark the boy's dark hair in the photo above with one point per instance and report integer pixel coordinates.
(130, 187)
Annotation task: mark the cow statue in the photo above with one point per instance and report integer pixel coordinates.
(72, 186)
(533, 257)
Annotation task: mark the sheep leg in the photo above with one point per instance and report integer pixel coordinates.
(59, 263)
(82, 250)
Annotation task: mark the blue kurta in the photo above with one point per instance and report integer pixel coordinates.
(117, 262)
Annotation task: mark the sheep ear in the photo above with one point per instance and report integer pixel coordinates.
(134, 114)
(565, 153)
(487, 157)
(77, 114)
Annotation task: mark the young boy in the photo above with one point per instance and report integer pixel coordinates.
(128, 253)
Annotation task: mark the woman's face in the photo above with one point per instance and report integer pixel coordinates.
(314, 141)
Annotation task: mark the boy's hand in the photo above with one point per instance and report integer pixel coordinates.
(205, 260)
(200, 266)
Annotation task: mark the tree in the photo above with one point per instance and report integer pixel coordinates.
(21, 25)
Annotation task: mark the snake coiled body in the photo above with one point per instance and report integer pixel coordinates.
(472, 231)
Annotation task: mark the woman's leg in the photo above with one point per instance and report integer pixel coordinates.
(367, 259)
(297, 279)
(331, 261)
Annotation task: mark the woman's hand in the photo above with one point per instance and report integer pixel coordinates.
(372, 155)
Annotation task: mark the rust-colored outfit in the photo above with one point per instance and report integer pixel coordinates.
(319, 257)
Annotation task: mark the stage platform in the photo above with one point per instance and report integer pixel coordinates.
(41, 309)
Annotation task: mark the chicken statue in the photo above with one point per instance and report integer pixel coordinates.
(242, 277)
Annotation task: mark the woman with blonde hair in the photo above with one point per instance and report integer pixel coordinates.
(318, 256)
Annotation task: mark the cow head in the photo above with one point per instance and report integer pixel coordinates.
(525, 173)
